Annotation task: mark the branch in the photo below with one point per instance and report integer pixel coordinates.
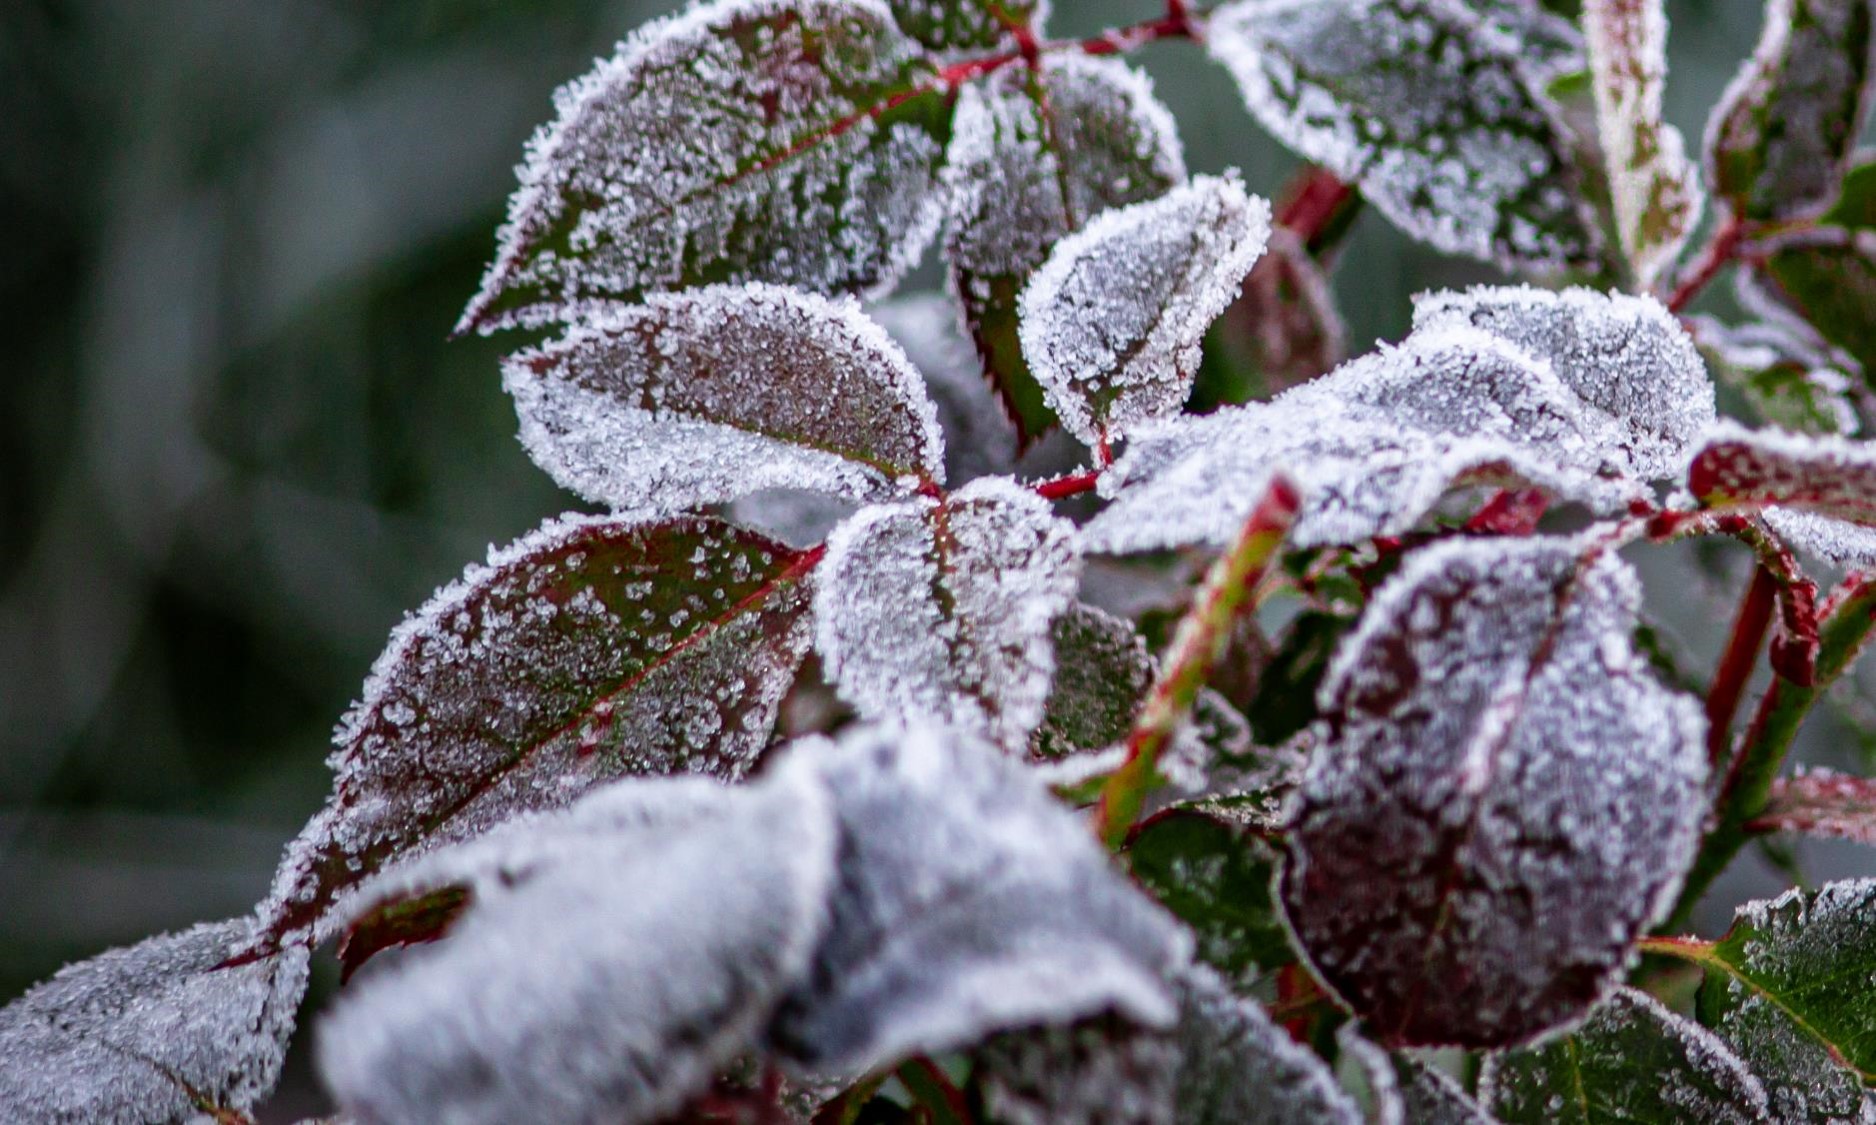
(1844, 628)
(1736, 663)
(1195, 649)
(1701, 272)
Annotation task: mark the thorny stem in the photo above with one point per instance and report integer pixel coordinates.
(1736, 663)
(1844, 628)
(1195, 649)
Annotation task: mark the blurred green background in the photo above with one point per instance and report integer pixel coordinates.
(236, 446)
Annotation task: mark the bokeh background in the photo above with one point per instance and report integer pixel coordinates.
(235, 444)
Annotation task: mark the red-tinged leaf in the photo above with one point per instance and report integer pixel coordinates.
(1780, 141)
(1827, 476)
(1821, 802)
(1505, 798)
(593, 648)
(1283, 329)
(713, 394)
(1035, 154)
(410, 921)
(791, 141)
(967, 25)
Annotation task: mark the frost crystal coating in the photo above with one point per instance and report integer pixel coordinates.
(595, 647)
(713, 394)
(157, 1031)
(1504, 800)
(1432, 111)
(791, 141)
(942, 610)
(1112, 323)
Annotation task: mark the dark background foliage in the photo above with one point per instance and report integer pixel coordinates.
(235, 445)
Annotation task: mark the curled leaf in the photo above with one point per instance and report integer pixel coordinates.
(789, 141)
(713, 394)
(1505, 798)
(1820, 491)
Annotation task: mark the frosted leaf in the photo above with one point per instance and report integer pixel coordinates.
(1430, 1097)
(1432, 111)
(1789, 377)
(592, 648)
(1113, 322)
(608, 987)
(967, 902)
(1239, 1068)
(1102, 673)
(979, 438)
(709, 395)
(1632, 1060)
(1033, 156)
(1367, 1072)
(1780, 140)
(943, 609)
(1822, 802)
(1374, 445)
(1626, 359)
(956, 25)
(416, 900)
(1504, 800)
(1788, 987)
(156, 1031)
(1104, 1071)
(1215, 878)
(789, 141)
(1552, 45)
(1654, 187)
(1824, 487)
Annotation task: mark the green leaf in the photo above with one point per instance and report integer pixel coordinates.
(966, 25)
(789, 141)
(1286, 687)
(1102, 672)
(1034, 155)
(1453, 140)
(1633, 1061)
(591, 649)
(1781, 138)
(1827, 275)
(1218, 881)
(1788, 987)
(1654, 187)
(1785, 379)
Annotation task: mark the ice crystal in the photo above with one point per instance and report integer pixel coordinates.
(1781, 139)
(595, 647)
(709, 395)
(158, 1031)
(1633, 1060)
(604, 988)
(1104, 1071)
(1430, 109)
(1504, 800)
(1113, 321)
(1629, 363)
(1654, 187)
(967, 902)
(943, 609)
(1552, 45)
(790, 141)
(957, 25)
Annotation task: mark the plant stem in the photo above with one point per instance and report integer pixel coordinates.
(1742, 652)
(1195, 649)
(1842, 631)
(1072, 485)
(1712, 260)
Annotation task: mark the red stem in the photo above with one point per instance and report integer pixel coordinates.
(1742, 652)
(1072, 485)
(1712, 260)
